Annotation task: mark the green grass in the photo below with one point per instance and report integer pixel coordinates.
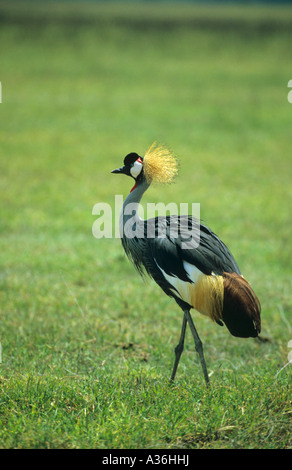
(87, 347)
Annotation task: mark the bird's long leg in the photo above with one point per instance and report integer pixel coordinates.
(198, 345)
(179, 348)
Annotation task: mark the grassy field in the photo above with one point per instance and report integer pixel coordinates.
(87, 346)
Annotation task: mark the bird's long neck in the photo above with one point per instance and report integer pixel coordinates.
(129, 217)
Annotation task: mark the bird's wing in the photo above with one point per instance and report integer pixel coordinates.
(206, 252)
(211, 254)
(201, 274)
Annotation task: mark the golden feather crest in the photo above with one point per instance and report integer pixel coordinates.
(159, 164)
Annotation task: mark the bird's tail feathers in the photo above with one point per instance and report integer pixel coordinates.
(241, 307)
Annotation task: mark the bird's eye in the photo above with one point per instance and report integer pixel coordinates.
(136, 168)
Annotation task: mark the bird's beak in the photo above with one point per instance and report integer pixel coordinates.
(119, 170)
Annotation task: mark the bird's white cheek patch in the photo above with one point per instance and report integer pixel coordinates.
(136, 169)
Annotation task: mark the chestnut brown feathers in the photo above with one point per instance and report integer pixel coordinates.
(241, 307)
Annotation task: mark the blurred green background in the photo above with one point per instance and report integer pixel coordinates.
(87, 347)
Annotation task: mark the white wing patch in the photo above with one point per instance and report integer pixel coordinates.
(183, 288)
(192, 271)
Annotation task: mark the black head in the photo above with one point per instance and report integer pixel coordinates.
(133, 166)
(131, 158)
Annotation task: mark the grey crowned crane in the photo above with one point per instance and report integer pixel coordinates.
(203, 276)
